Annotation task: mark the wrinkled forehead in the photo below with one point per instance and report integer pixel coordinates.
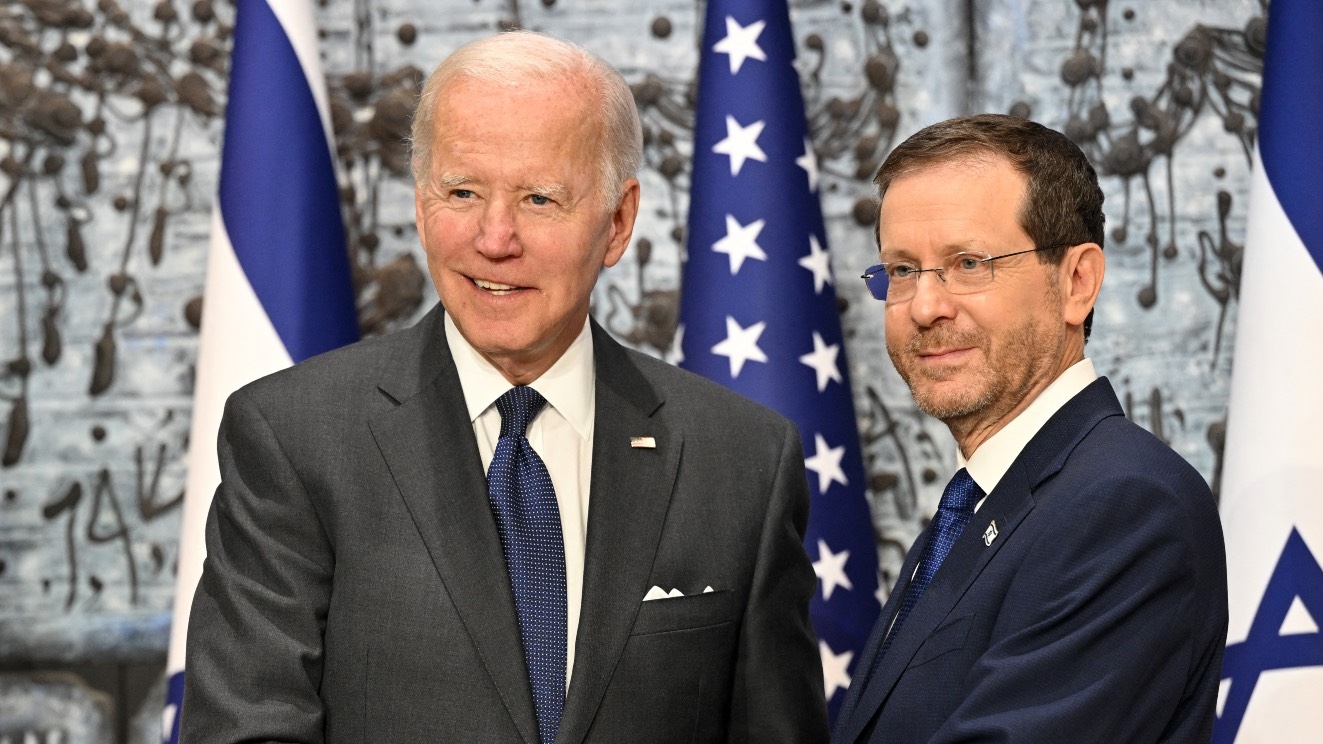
(561, 112)
(962, 205)
(950, 183)
(532, 99)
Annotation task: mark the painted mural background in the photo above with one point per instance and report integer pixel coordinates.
(110, 126)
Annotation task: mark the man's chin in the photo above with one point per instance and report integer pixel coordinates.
(949, 405)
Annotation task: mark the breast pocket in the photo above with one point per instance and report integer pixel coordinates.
(684, 613)
(946, 639)
(673, 681)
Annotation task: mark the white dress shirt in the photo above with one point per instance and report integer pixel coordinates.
(561, 434)
(994, 457)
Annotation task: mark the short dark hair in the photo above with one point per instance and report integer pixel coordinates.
(1063, 202)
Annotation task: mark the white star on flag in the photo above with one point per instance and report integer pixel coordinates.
(826, 461)
(835, 669)
(830, 568)
(741, 144)
(823, 361)
(741, 345)
(741, 43)
(741, 242)
(817, 261)
(809, 162)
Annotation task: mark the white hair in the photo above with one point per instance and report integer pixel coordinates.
(517, 57)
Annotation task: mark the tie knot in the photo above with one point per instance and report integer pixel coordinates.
(961, 494)
(518, 407)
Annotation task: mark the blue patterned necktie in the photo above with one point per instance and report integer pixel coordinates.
(953, 513)
(528, 519)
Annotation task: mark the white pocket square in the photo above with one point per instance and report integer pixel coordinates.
(657, 592)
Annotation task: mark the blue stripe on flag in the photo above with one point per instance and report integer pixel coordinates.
(278, 194)
(1291, 116)
(174, 702)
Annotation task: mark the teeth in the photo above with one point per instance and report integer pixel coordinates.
(494, 286)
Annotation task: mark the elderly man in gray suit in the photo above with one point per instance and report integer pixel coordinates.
(500, 525)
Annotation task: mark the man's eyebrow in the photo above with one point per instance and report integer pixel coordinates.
(451, 180)
(888, 255)
(554, 191)
(947, 249)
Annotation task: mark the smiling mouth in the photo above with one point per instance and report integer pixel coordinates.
(496, 288)
(942, 355)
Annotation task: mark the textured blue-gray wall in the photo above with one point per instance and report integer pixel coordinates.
(109, 131)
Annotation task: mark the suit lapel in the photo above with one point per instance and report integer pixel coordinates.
(1008, 505)
(429, 446)
(629, 497)
(861, 678)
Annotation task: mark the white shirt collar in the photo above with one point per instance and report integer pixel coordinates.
(567, 385)
(994, 457)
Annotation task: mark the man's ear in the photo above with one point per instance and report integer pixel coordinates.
(622, 223)
(1081, 277)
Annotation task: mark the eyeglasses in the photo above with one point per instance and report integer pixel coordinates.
(961, 273)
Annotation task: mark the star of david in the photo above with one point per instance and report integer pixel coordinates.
(1297, 575)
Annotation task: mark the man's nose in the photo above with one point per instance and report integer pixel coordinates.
(931, 301)
(497, 233)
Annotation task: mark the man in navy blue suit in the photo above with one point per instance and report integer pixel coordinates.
(1072, 585)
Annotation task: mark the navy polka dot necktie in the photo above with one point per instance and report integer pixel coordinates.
(528, 519)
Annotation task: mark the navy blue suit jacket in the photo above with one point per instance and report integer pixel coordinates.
(1085, 602)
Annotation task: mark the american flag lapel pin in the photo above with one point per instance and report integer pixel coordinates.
(643, 443)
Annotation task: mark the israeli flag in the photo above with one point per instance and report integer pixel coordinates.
(278, 288)
(1272, 485)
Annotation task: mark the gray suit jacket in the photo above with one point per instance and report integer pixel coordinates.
(355, 590)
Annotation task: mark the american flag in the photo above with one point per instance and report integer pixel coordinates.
(758, 311)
